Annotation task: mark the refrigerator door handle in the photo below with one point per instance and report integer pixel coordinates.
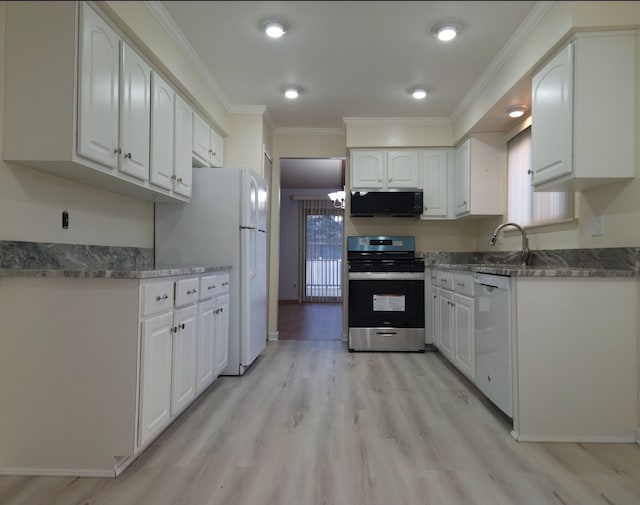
(253, 255)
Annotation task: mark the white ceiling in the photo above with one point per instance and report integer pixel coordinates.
(352, 58)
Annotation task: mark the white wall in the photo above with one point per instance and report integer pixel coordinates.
(31, 202)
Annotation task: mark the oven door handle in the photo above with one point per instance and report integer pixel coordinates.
(386, 276)
(386, 333)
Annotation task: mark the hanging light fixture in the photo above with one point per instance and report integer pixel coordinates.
(337, 197)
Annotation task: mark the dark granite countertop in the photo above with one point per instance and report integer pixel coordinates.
(96, 273)
(536, 271)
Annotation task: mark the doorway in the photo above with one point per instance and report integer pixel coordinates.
(311, 235)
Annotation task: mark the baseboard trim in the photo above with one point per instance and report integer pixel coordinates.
(58, 472)
(575, 440)
(274, 336)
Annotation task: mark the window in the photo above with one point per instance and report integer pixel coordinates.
(321, 248)
(524, 206)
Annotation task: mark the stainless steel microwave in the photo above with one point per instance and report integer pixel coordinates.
(386, 203)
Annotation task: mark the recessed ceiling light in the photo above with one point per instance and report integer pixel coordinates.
(446, 32)
(274, 29)
(419, 93)
(517, 111)
(292, 92)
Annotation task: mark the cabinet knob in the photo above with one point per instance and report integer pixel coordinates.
(529, 171)
(181, 326)
(117, 150)
(221, 309)
(192, 291)
(174, 177)
(225, 283)
(179, 179)
(173, 329)
(128, 155)
(211, 287)
(163, 297)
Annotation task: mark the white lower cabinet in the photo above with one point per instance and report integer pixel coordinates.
(183, 371)
(155, 375)
(222, 333)
(183, 337)
(454, 314)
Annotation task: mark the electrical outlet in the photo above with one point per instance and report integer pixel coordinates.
(597, 226)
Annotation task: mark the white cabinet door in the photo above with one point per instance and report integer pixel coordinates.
(402, 170)
(368, 169)
(464, 355)
(461, 179)
(162, 127)
(445, 322)
(98, 90)
(201, 140)
(206, 344)
(222, 333)
(216, 149)
(183, 376)
(135, 114)
(155, 375)
(435, 319)
(183, 139)
(552, 128)
(434, 166)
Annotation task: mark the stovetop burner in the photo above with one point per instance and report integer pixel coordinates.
(383, 254)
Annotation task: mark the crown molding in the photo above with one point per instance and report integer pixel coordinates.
(529, 23)
(309, 131)
(247, 109)
(402, 121)
(165, 20)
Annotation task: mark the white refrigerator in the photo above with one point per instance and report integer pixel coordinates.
(225, 223)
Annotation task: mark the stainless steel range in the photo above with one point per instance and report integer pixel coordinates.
(386, 294)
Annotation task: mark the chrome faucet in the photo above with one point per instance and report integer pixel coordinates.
(525, 240)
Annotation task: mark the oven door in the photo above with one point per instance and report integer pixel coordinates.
(386, 311)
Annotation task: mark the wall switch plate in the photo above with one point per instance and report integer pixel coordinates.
(597, 226)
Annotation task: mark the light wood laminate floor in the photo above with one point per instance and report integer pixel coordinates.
(311, 423)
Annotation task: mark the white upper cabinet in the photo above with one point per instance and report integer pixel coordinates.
(208, 145)
(434, 164)
(183, 134)
(368, 169)
(378, 169)
(583, 110)
(92, 121)
(135, 114)
(480, 176)
(402, 169)
(99, 91)
(162, 129)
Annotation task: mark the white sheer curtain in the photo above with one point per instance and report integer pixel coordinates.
(524, 206)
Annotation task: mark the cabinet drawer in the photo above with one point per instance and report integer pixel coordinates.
(156, 297)
(223, 284)
(445, 280)
(208, 286)
(463, 283)
(187, 291)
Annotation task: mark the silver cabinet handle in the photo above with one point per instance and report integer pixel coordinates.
(225, 283)
(163, 297)
(191, 291)
(117, 150)
(181, 326)
(128, 155)
(173, 329)
(211, 287)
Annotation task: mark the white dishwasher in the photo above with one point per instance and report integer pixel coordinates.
(493, 340)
